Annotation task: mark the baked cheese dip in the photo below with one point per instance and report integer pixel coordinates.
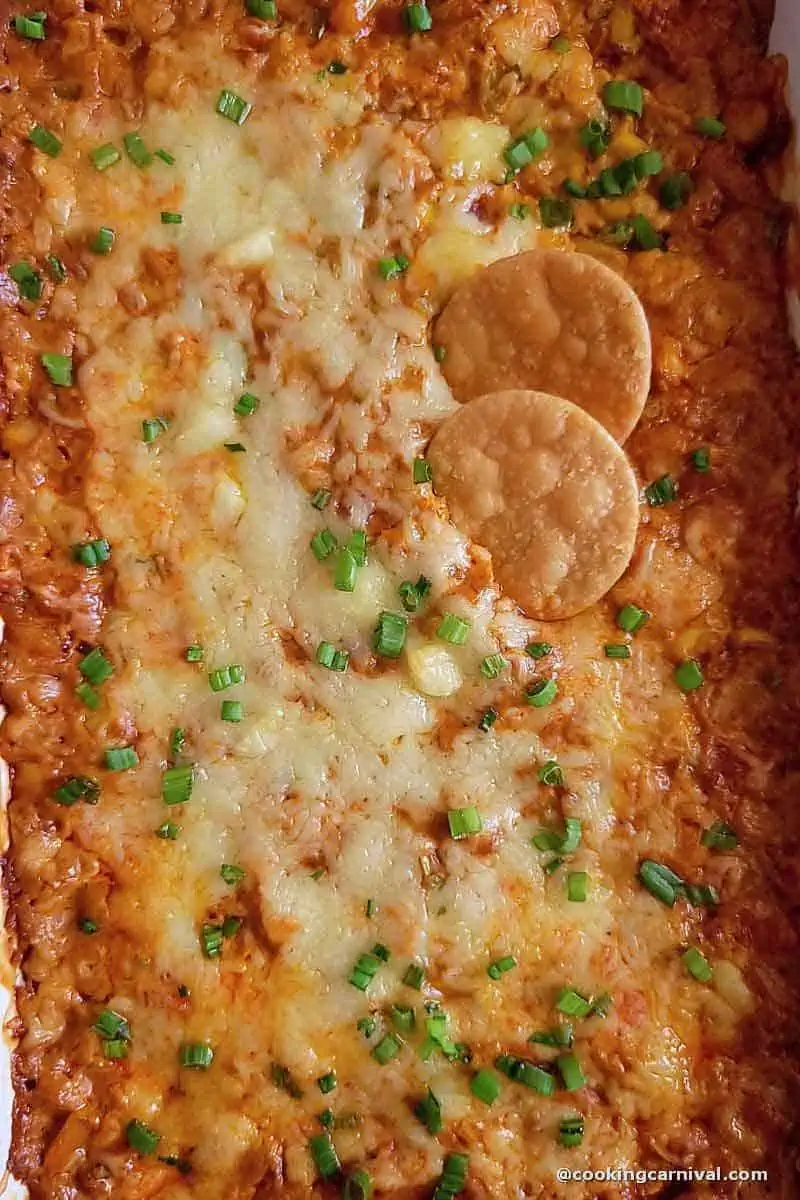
(401, 651)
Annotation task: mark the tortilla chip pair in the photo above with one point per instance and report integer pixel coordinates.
(552, 351)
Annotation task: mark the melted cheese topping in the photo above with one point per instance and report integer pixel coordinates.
(334, 788)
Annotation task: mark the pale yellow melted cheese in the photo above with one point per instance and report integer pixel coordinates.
(284, 220)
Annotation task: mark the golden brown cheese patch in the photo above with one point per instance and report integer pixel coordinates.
(563, 323)
(547, 490)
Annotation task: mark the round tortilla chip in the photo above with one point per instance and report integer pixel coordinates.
(552, 320)
(546, 489)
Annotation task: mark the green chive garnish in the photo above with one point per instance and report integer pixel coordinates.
(624, 95)
(233, 107)
(464, 822)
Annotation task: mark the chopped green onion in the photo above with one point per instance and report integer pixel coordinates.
(232, 874)
(110, 1024)
(31, 27)
(233, 107)
(168, 831)
(551, 774)
(95, 666)
(486, 1086)
(345, 570)
(89, 695)
(421, 471)
(103, 241)
(720, 836)
(211, 938)
(93, 553)
(453, 1177)
(710, 127)
(235, 447)
(121, 758)
(521, 1070)
(575, 189)
(577, 886)
(323, 1152)
(115, 1048)
(494, 665)
(701, 459)
(500, 966)
(28, 281)
(624, 95)
(105, 156)
(403, 1018)
(413, 594)
(357, 545)
(177, 741)
(323, 544)
(559, 1037)
(165, 157)
(366, 1025)
(265, 10)
(194, 653)
(87, 925)
(660, 881)
(390, 268)
(357, 1186)
(616, 650)
(429, 1112)
(59, 369)
(689, 675)
(542, 693)
(631, 618)
(58, 272)
(45, 141)
(538, 649)
(142, 1138)
(570, 1071)
(551, 867)
(675, 190)
(171, 218)
(570, 1131)
(453, 629)
(561, 44)
(386, 1049)
(648, 164)
(418, 18)
(326, 1083)
(697, 965)
(662, 491)
(320, 499)
(370, 908)
(645, 236)
(702, 895)
(231, 926)
(78, 787)
(153, 427)
(177, 784)
(232, 711)
(594, 136)
(282, 1078)
(555, 213)
(440, 353)
(414, 976)
(225, 677)
(365, 969)
(618, 233)
(136, 150)
(246, 405)
(390, 635)
(487, 720)
(519, 211)
(328, 656)
(464, 822)
(196, 1056)
(523, 150)
(572, 1003)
